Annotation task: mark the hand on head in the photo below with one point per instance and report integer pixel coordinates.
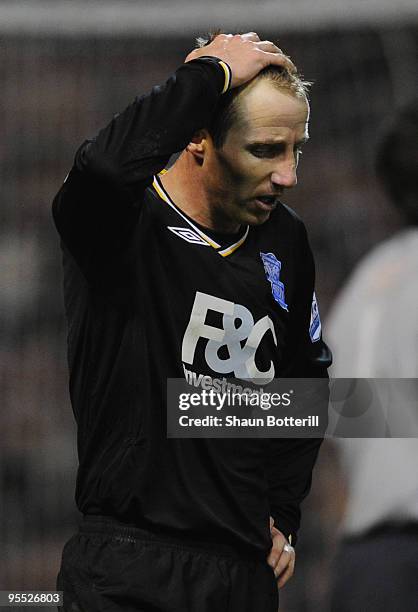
(245, 54)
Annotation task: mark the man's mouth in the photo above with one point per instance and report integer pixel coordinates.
(267, 202)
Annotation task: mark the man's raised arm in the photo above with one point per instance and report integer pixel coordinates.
(99, 201)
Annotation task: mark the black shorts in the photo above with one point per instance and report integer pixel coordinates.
(109, 567)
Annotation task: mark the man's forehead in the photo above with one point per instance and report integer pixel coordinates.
(276, 124)
(273, 127)
(267, 107)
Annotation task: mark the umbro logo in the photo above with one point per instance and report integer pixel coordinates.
(188, 235)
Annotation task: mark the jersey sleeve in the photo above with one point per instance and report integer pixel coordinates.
(289, 462)
(99, 204)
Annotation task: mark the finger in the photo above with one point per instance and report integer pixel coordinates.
(271, 522)
(273, 558)
(287, 574)
(220, 36)
(277, 544)
(251, 36)
(275, 554)
(267, 45)
(277, 59)
(284, 561)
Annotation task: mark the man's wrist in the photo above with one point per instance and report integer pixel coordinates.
(223, 70)
(289, 533)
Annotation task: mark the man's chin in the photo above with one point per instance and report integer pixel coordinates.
(257, 218)
(257, 212)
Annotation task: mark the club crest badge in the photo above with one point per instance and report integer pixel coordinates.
(315, 324)
(273, 266)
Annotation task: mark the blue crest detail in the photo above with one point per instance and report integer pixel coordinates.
(315, 324)
(273, 266)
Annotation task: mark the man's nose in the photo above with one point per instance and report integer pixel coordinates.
(284, 175)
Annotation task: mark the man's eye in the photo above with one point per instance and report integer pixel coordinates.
(264, 152)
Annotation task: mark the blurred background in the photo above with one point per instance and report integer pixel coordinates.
(65, 69)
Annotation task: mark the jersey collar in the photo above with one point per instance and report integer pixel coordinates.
(223, 251)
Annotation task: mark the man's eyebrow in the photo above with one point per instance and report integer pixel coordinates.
(275, 142)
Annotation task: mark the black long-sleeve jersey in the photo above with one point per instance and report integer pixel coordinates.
(150, 295)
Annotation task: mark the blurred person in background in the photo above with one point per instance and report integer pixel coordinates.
(373, 331)
(149, 257)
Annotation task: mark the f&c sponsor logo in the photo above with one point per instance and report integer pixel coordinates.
(239, 333)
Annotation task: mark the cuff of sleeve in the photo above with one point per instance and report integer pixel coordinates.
(291, 538)
(223, 70)
(289, 533)
(228, 76)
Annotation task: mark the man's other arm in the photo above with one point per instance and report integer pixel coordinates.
(289, 462)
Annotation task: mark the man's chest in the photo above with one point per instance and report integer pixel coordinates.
(226, 308)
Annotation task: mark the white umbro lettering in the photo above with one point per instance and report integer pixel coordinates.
(241, 359)
(188, 235)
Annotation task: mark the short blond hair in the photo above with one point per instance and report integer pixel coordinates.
(226, 111)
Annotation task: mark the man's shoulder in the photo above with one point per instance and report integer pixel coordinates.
(288, 213)
(284, 219)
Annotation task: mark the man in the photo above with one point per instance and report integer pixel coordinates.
(175, 524)
(377, 558)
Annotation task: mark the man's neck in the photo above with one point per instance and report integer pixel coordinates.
(185, 186)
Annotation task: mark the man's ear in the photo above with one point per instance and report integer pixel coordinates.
(199, 144)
